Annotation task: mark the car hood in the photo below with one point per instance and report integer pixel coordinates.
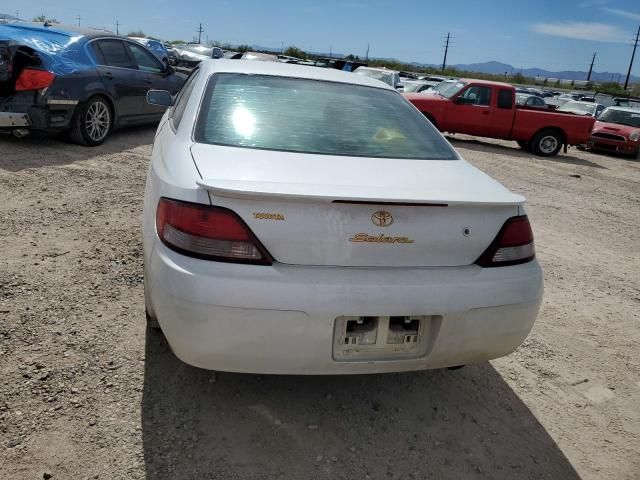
(625, 130)
(423, 97)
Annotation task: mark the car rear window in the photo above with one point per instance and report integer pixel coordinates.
(318, 117)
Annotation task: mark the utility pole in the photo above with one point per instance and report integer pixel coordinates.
(633, 54)
(330, 51)
(446, 50)
(17, 14)
(117, 27)
(78, 18)
(200, 30)
(591, 67)
(367, 55)
(281, 47)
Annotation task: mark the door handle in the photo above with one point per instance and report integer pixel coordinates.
(486, 112)
(108, 75)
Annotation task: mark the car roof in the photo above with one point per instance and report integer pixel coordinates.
(68, 30)
(377, 69)
(625, 109)
(279, 69)
(487, 82)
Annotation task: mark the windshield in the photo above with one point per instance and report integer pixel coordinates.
(621, 117)
(578, 107)
(318, 117)
(386, 77)
(449, 89)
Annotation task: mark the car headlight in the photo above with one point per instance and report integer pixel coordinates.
(635, 136)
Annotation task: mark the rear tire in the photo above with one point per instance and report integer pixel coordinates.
(92, 123)
(523, 145)
(547, 143)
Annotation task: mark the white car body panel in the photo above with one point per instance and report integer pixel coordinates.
(280, 318)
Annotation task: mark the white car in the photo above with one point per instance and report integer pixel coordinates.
(390, 77)
(310, 221)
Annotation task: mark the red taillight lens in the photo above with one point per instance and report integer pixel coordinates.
(30, 79)
(512, 245)
(212, 233)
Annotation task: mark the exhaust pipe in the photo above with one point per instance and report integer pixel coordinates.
(20, 132)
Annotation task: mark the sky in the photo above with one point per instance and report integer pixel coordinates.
(551, 34)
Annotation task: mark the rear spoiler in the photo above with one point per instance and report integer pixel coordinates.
(352, 193)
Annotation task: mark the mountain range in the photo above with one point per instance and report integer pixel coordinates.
(500, 68)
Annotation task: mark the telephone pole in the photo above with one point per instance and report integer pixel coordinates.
(17, 14)
(591, 67)
(117, 27)
(446, 50)
(367, 55)
(200, 30)
(78, 18)
(633, 54)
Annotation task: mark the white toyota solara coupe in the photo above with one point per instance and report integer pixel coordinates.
(300, 220)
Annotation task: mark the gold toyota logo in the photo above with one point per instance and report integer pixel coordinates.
(382, 219)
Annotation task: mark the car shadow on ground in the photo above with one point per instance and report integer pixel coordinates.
(40, 151)
(432, 424)
(515, 151)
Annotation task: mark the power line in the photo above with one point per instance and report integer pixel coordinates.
(200, 30)
(633, 54)
(591, 67)
(446, 50)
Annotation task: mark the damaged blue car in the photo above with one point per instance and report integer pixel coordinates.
(87, 83)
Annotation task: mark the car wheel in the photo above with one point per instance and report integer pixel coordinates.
(92, 123)
(523, 145)
(547, 143)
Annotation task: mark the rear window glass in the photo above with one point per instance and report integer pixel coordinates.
(319, 117)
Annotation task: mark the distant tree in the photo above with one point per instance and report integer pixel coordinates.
(558, 83)
(545, 82)
(177, 42)
(519, 78)
(43, 19)
(351, 56)
(295, 52)
(611, 86)
(243, 48)
(573, 83)
(137, 33)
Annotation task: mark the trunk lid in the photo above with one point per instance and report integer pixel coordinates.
(354, 211)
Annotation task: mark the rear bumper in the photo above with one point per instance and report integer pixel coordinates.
(46, 115)
(280, 319)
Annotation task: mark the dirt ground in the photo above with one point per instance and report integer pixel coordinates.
(86, 391)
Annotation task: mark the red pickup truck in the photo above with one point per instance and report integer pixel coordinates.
(488, 109)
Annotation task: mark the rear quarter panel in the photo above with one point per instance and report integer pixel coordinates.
(527, 123)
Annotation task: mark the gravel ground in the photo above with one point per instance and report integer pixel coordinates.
(87, 392)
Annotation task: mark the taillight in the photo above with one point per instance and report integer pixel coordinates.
(31, 79)
(512, 245)
(207, 232)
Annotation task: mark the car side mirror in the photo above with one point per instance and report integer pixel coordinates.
(161, 98)
(400, 88)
